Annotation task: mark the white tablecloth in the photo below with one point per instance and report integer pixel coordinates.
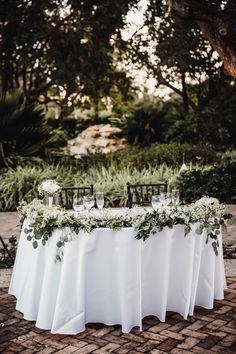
(110, 277)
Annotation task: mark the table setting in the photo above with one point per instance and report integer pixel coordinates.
(117, 266)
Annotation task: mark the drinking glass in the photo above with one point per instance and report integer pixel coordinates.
(156, 202)
(165, 198)
(78, 204)
(175, 197)
(162, 198)
(100, 200)
(88, 201)
(168, 199)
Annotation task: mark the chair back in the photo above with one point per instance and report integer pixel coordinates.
(68, 194)
(141, 194)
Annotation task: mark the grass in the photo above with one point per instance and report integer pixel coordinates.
(21, 183)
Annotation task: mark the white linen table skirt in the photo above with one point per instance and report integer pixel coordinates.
(110, 277)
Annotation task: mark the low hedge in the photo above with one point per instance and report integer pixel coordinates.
(218, 182)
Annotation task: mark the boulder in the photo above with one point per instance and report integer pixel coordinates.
(96, 138)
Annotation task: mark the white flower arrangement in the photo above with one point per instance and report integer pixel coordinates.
(207, 202)
(50, 187)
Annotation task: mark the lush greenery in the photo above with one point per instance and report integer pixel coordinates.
(78, 60)
(171, 154)
(22, 183)
(23, 133)
(62, 51)
(75, 55)
(40, 221)
(219, 182)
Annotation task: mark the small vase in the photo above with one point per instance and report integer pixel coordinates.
(50, 202)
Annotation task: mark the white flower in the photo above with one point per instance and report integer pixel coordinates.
(207, 202)
(49, 186)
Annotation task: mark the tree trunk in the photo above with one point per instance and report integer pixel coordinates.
(218, 27)
(185, 95)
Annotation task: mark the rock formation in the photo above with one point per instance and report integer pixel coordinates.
(97, 138)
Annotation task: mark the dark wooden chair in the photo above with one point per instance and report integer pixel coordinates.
(10, 261)
(141, 194)
(68, 194)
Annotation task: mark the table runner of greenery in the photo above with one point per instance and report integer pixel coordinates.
(207, 212)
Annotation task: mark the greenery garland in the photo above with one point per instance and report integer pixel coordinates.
(40, 221)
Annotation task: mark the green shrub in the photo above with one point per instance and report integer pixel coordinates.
(169, 154)
(144, 124)
(22, 130)
(218, 182)
(22, 183)
(227, 157)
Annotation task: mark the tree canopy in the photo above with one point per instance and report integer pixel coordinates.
(61, 45)
(216, 20)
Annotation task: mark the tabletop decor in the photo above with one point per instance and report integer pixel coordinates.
(207, 212)
(49, 188)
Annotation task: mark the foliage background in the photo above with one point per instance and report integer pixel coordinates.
(65, 66)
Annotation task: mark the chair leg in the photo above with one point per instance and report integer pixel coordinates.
(7, 250)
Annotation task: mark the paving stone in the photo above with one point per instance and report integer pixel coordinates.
(228, 341)
(196, 325)
(179, 351)
(188, 343)
(209, 342)
(159, 327)
(67, 350)
(179, 326)
(168, 344)
(148, 346)
(48, 351)
(94, 340)
(153, 336)
(103, 331)
(87, 349)
(133, 337)
(127, 347)
(211, 332)
(216, 324)
(194, 334)
(220, 349)
(171, 334)
(200, 350)
(223, 309)
(109, 348)
(114, 339)
(73, 341)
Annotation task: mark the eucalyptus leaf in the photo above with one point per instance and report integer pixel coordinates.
(27, 231)
(59, 244)
(37, 235)
(35, 244)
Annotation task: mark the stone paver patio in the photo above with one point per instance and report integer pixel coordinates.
(210, 331)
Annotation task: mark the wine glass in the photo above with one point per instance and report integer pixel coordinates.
(100, 200)
(156, 202)
(78, 204)
(175, 197)
(162, 198)
(88, 201)
(167, 199)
